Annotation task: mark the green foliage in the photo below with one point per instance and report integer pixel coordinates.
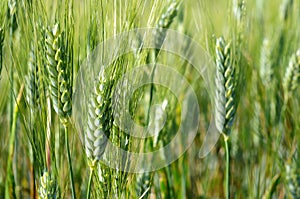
(257, 67)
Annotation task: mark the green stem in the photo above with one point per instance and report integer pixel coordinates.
(11, 74)
(10, 183)
(227, 174)
(89, 184)
(69, 161)
(1, 58)
(153, 59)
(170, 184)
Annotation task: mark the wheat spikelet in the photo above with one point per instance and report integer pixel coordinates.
(165, 22)
(48, 187)
(99, 118)
(58, 73)
(143, 182)
(292, 74)
(266, 71)
(225, 84)
(293, 180)
(32, 81)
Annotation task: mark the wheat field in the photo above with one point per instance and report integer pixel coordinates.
(116, 99)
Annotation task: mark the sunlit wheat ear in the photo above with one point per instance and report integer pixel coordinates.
(58, 74)
(165, 22)
(266, 71)
(48, 187)
(292, 75)
(293, 180)
(225, 87)
(99, 118)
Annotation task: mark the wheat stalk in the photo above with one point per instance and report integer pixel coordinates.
(99, 128)
(99, 122)
(292, 75)
(60, 79)
(144, 180)
(225, 103)
(1, 48)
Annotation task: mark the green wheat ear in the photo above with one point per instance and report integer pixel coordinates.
(293, 180)
(32, 81)
(99, 118)
(226, 86)
(292, 75)
(266, 70)
(58, 73)
(48, 187)
(143, 185)
(165, 22)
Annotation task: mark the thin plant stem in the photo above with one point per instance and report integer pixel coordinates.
(227, 174)
(69, 161)
(153, 56)
(1, 58)
(170, 184)
(88, 195)
(11, 73)
(10, 183)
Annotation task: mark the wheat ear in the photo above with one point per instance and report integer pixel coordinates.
(292, 75)
(225, 87)
(293, 180)
(99, 123)
(99, 118)
(58, 73)
(32, 82)
(164, 23)
(144, 180)
(225, 104)
(48, 187)
(60, 78)
(266, 70)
